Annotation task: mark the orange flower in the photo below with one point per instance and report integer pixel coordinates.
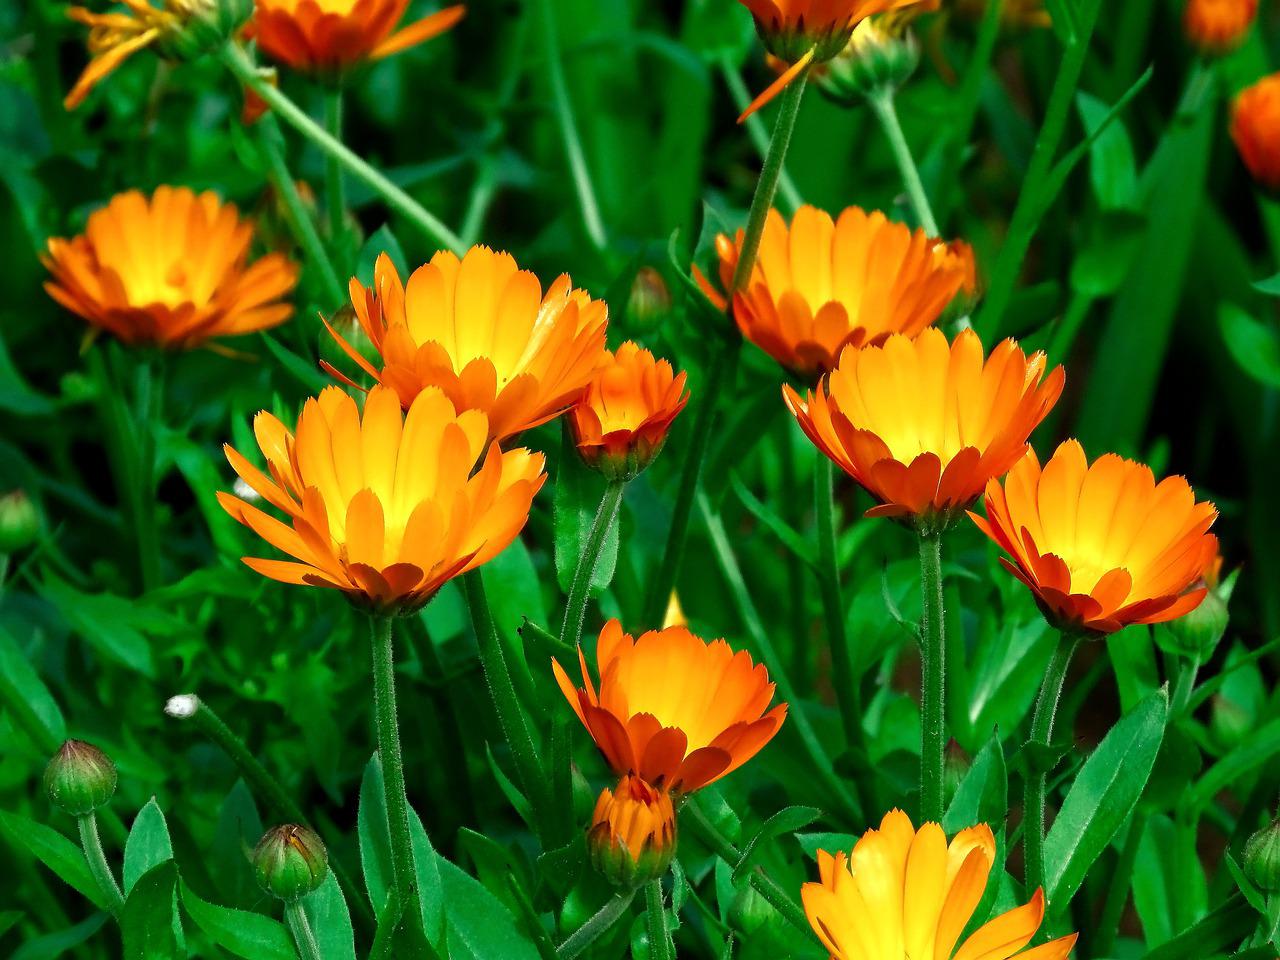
(621, 422)
(923, 426)
(676, 710)
(115, 37)
(171, 270)
(1218, 26)
(385, 508)
(1101, 546)
(1255, 127)
(330, 35)
(482, 331)
(818, 286)
(632, 839)
(908, 893)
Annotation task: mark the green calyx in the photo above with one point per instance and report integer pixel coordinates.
(80, 778)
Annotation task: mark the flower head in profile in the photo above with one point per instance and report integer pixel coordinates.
(1218, 26)
(820, 285)
(632, 839)
(483, 331)
(328, 36)
(1255, 128)
(907, 893)
(672, 708)
(170, 270)
(923, 426)
(622, 421)
(1101, 545)
(385, 507)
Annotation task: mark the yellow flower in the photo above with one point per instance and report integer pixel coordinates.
(905, 893)
(481, 330)
(170, 270)
(385, 508)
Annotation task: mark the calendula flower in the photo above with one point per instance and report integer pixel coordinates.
(483, 331)
(804, 32)
(385, 507)
(171, 270)
(1218, 26)
(1255, 128)
(622, 420)
(818, 286)
(881, 55)
(906, 893)
(922, 426)
(327, 36)
(1101, 546)
(676, 710)
(632, 839)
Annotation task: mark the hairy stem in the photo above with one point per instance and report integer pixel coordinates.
(98, 865)
(334, 193)
(656, 922)
(848, 691)
(933, 683)
(585, 571)
(882, 104)
(595, 928)
(303, 936)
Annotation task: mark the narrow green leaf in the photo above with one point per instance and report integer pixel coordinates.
(1102, 797)
(53, 850)
(784, 821)
(1254, 345)
(149, 921)
(249, 935)
(1220, 930)
(577, 498)
(148, 844)
(478, 921)
(326, 908)
(54, 945)
(27, 698)
(983, 794)
(1256, 749)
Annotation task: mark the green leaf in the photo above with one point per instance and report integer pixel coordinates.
(1112, 169)
(1220, 930)
(381, 241)
(983, 794)
(579, 490)
(1254, 345)
(326, 908)
(56, 944)
(53, 850)
(1104, 794)
(306, 372)
(114, 626)
(784, 821)
(148, 844)
(149, 921)
(245, 934)
(28, 699)
(1104, 264)
(478, 921)
(239, 828)
(1258, 748)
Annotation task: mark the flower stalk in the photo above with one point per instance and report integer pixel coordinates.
(98, 866)
(660, 946)
(1042, 722)
(883, 105)
(335, 195)
(303, 935)
(848, 690)
(933, 686)
(601, 923)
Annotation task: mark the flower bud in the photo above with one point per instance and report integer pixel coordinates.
(1262, 858)
(80, 778)
(201, 26)
(650, 301)
(1199, 632)
(633, 833)
(1217, 27)
(19, 522)
(880, 57)
(290, 862)
(1229, 723)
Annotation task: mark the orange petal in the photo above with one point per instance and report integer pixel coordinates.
(778, 85)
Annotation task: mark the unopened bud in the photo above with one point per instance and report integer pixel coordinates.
(1199, 632)
(1262, 858)
(880, 57)
(80, 778)
(633, 833)
(183, 706)
(290, 862)
(650, 301)
(19, 522)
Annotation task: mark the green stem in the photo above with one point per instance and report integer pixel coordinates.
(848, 690)
(303, 936)
(755, 127)
(511, 718)
(588, 560)
(1042, 722)
(1184, 685)
(1118, 889)
(1068, 328)
(882, 105)
(719, 378)
(765, 885)
(656, 922)
(595, 928)
(150, 383)
(238, 62)
(569, 128)
(767, 185)
(933, 693)
(388, 729)
(98, 865)
(335, 195)
(270, 142)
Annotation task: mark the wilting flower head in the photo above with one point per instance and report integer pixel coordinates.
(1217, 26)
(170, 270)
(1101, 546)
(908, 893)
(818, 286)
(676, 710)
(327, 36)
(481, 330)
(1255, 127)
(632, 839)
(923, 426)
(385, 508)
(621, 422)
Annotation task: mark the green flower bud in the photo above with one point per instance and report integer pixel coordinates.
(1198, 633)
(650, 301)
(1262, 858)
(80, 778)
(881, 56)
(201, 26)
(290, 862)
(19, 522)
